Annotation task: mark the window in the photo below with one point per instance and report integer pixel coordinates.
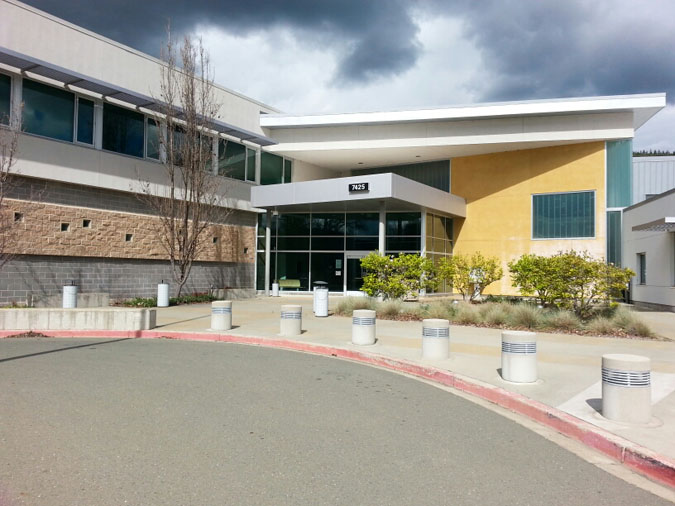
(250, 164)
(271, 169)
(5, 98)
(85, 121)
(403, 232)
(288, 169)
(48, 111)
(123, 130)
(642, 268)
(152, 139)
(232, 160)
(563, 215)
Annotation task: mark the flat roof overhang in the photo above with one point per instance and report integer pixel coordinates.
(665, 224)
(396, 192)
(373, 139)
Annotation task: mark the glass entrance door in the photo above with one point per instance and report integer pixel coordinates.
(353, 274)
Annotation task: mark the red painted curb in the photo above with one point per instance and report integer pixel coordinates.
(637, 458)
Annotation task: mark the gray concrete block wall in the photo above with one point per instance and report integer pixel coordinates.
(30, 275)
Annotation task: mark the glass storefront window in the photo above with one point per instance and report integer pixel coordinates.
(48, 111)
(293, 271)
(404, 224)
(363, 224)
(328, 243)
(328, 267)
(294, 224)
(328, 224)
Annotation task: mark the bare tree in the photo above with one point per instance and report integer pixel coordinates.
(10, 128)
(189, 202)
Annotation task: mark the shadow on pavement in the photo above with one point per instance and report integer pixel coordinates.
(63, 349)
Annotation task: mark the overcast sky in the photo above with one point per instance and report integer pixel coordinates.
(304, 56)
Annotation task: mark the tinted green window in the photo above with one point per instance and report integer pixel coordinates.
(5, 94)
(396, 244)
(288, 169)
(563, 215)
(123, 130)
(619, 173)
(152, 141)
(271, 169)
(260, 270)
(232, 159)
(614, 237)
(434, 174)
(85, 121)
(250, 164)
(328, 224)
(294, 224)
(48, 111)
(293, 243)
(293, 268)
(363, 224)
(262, 224)
(404, 223)
(362, 243)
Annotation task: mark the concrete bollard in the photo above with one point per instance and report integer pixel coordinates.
(291, 320)
(435, 339)
(221, 315)
(363, 327)
(70, 295)
(519, 356)
(626, 388)
(275, 289)
(163, 294)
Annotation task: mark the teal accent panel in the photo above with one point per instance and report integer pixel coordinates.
(563, 215)
(619, 173)
(614, 237)
(434, 174)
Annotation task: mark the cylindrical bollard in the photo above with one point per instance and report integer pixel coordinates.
(221, 315)
(519, 356)
(70, 295)
(163, 294)
(291, 320)
(626, 388)
(435, 339)
(363, 327)
(275, 289)
(321, 308)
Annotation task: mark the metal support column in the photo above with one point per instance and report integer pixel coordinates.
(268, 247)
(383, 228)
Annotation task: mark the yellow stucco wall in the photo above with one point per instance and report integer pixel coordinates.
(498, 189)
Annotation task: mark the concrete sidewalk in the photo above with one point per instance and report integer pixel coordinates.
(569, 365)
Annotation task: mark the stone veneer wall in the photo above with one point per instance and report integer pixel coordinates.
(98, 257)
(33, 275)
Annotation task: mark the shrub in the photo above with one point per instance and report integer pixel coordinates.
(397, 277)
(347, 305)
(467, 314)
(562, 320)
(390, 309)
(496, 314)
(527, 316)
(439, 310)
(470, 275)
(569, 280)
(631, 323)
(602, 326)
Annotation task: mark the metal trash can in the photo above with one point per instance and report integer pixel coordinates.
(363, 327)
(626, 388)
(435, 339)
(317, 284)
(291, 320)
(70, 295)
(275, 289)
(221, 315)
(519, 356)
(163, 294)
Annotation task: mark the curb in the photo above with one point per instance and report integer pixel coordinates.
(631, 455)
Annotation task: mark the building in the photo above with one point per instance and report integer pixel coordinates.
(312, 194)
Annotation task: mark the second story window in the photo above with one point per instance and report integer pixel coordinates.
(48, 111)
(123, 130)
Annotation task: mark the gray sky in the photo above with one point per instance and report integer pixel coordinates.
(352, 55)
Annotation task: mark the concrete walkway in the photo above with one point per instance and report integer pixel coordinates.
(569, 365)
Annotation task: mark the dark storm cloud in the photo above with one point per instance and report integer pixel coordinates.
(572, 48)
(380, 37)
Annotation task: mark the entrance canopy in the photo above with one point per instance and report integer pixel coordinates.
(357, 193)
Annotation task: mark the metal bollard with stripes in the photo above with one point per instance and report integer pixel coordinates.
(435, 339)
(519, 356)
(626, 388)
(221, 315)
(291, 320)
(363, 327)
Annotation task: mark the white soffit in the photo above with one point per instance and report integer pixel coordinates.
(642, 106)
